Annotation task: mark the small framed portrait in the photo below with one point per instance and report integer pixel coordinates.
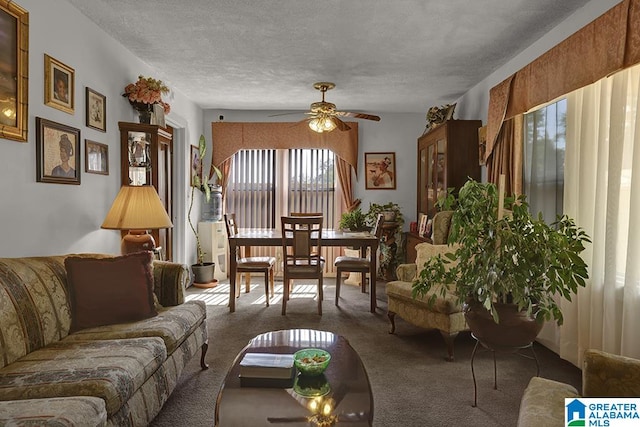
(57, 152)
(59, 85)
(380, 171)
(14, 71)
(196, 164)
(96, 157)
(96, 110)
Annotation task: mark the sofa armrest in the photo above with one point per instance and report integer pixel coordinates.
(609, 375)
(170, 281)
(406, 272)
(542, 403)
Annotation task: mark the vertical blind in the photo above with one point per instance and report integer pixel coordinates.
(266, 184)
(251, 190)
(544, 153)
(312, 183)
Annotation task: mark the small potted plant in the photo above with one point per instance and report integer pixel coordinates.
(390, 255)
(506, 270)
(390, 210)
(203, 271)
(354, 220)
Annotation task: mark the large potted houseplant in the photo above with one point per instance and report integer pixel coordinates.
(203, 272)
(507, 270)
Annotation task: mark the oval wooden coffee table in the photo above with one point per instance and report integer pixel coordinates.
(344, 387)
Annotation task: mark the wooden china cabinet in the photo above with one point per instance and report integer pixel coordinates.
(447, 157)
(146, 158)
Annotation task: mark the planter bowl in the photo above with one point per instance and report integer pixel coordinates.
(515, 328)
(203, 273)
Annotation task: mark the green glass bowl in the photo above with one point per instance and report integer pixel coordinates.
(311, 361)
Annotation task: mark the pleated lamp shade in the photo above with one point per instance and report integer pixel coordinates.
(137, 209)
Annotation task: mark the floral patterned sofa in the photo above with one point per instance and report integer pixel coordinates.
(603, 375)
(445, 314)
(92, 340)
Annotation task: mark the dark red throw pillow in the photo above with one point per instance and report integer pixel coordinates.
(105, 291)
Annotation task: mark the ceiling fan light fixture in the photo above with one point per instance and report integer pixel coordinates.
(322, 124)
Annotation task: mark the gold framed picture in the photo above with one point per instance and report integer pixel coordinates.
(57, 152)
(59, 85)
(14, 71)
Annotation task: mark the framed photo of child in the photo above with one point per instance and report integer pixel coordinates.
(59, 85)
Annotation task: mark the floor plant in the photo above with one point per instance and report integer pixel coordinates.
(513, 258)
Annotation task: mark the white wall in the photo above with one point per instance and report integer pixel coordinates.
(43, 218)
(393, 133)
(474, 104)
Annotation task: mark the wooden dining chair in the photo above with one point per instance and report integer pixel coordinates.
(301, 247)
(358, 264)
(248, 265)
(307, 214)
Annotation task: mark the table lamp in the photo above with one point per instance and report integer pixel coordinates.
(137, 209)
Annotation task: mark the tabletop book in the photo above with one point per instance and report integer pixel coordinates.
(267, 365)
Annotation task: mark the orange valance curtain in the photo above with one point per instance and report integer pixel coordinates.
(230, 137)
(604, 46)
(506, 157)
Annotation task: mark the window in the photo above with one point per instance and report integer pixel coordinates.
(266, 184)
(544, 153)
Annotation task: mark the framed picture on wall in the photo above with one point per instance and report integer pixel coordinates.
(380, 171)
(96, 110)
(59, 85)
(96, 157)
(57, 152)
(14, 71)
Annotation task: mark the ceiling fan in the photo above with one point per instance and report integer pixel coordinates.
(323, 116)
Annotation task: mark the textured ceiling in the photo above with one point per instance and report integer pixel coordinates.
(383, 55)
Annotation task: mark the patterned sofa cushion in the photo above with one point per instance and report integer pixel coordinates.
(109, 369)
(34, 307)
(172, 324)
(54, 412)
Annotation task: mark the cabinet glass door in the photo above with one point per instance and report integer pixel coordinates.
(439, 169)
(139, 158)
(423, 184)
(431, 189)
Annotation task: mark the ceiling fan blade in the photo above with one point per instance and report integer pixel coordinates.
(357, 115)
(286, 114)
(340, 124)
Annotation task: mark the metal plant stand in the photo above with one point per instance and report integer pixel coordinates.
(494, 349)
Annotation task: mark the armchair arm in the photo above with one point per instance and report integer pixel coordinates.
(609, 375)
(170, 281)
(406, 272)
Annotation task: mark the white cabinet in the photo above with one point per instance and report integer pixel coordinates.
(213, 238)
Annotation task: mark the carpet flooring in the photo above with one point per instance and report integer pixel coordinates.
(412, 383)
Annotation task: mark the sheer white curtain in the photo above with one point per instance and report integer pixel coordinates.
(602, 192)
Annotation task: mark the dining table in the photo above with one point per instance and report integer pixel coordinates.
(248, 237)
